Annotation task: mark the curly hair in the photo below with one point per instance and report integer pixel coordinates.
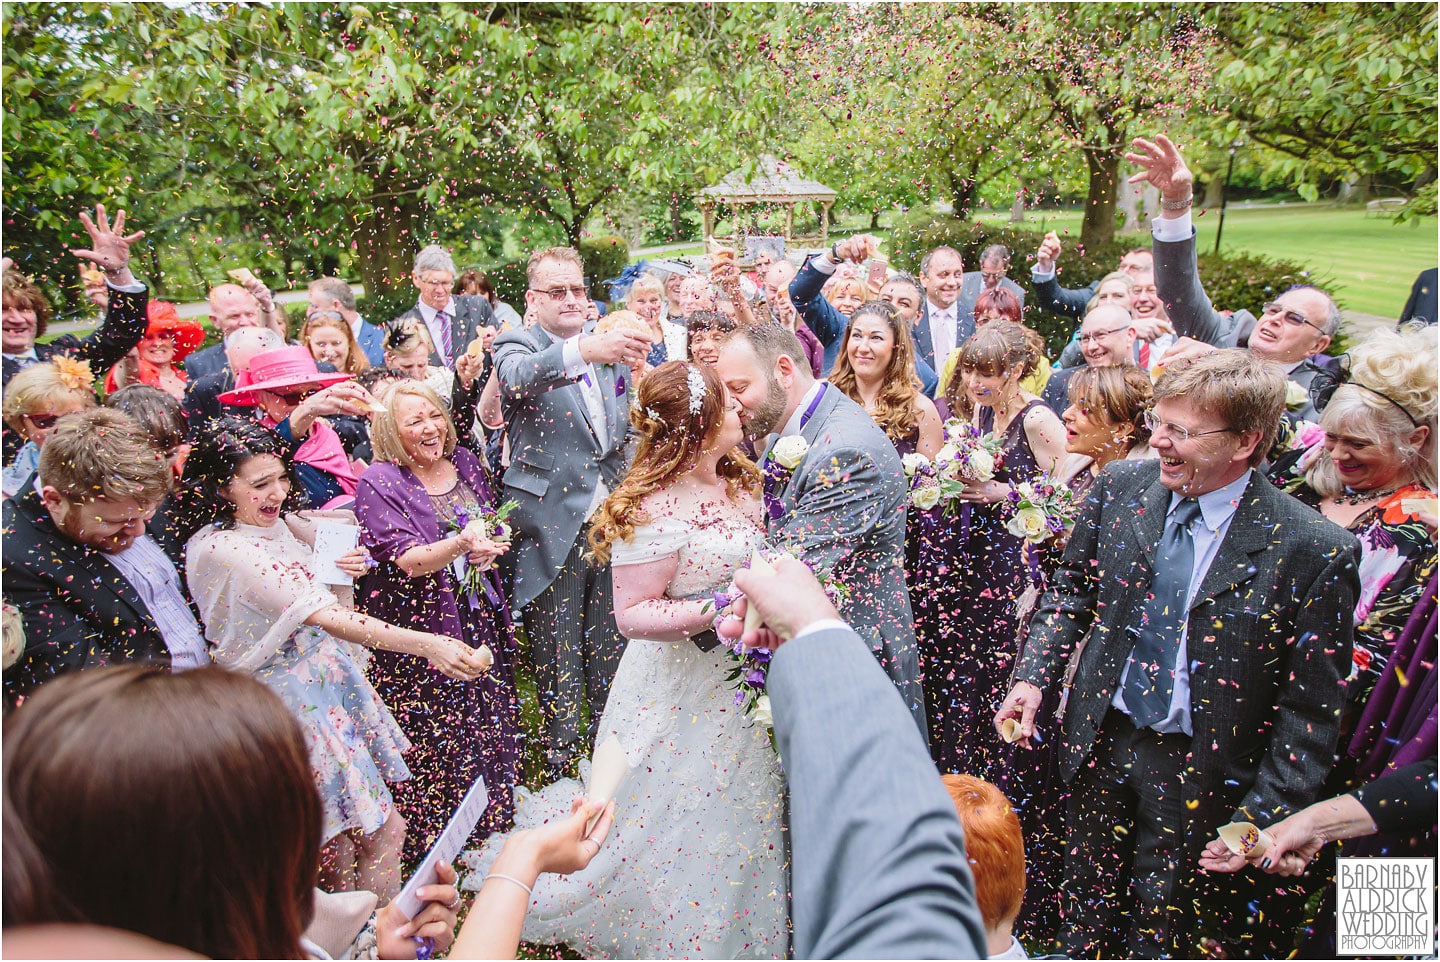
(895, 406)
(1392, 380)
(221, 447)
(673, 431)
(993, 350)
(19, 293)
(1117, 394)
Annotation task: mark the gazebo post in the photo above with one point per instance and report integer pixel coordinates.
(707, 215)
(789, 223)
(825, 206)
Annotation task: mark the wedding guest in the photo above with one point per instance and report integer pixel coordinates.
(877, 371)
(333, 294)
(1105, 422)
(265, 612)
(450, 321)
(34, 400)
(328, 336)
(202, 398)
(159, 415)
(807, 292)
(168, 340)
(1375, 460)
(476, 282)
(667, 338)
(408, 350)
(294, 398)
(92, 588)
(705, 331)
(973, 570)
(998, 304)
(996, 849)
(423, 508)
(90, 842)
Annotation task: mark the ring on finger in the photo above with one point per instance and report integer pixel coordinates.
(455, 904)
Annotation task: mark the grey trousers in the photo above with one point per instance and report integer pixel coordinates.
(576, 648)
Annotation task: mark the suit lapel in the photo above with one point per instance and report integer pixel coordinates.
(921, 330)
(1249, 534)
(811, 432)
(1148, 525)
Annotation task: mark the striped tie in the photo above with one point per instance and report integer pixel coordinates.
(442, 320)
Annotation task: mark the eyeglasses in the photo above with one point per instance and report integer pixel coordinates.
(992, 275)
(43, 421)
(1293, 318)
(444, 281)
(558, 294)
(1326, 382)
(1097, 335)
(1177, 432)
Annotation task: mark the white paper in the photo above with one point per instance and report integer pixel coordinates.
(607, 769)
(334, 539)
(447, 846)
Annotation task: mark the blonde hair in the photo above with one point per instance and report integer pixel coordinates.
(1392, 380)
(564, 255)
(646, 283)
(355, 360)
(385, 428)
(34, 389)
(672, 429)
(855, 285)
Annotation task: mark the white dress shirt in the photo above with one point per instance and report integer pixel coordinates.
(427, 314)
(149, 571)
(942, 330)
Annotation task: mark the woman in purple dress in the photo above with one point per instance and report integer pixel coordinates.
(971, 570)
(419, 507)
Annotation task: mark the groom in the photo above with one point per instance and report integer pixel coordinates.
(834, 490)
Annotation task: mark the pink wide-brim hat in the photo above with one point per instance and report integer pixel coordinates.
(274, 371)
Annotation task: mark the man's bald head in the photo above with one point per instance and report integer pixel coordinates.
(1107, 336)
(232, 307)
(245, 342)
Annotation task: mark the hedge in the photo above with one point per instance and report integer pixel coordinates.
(1233, 281)
(604, 257)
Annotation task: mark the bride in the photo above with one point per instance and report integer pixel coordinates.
(695, 863)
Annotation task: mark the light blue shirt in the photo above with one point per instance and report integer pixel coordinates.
(1217, 510)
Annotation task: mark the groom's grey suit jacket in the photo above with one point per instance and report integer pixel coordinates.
(556, 456)
(844, 510)
(879, 868)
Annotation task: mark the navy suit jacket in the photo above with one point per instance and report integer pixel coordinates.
(372, 341)
(212, 360)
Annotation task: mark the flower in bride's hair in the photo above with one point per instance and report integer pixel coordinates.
(74, 374)
(653, 415)
(695, 381)
(788, 451)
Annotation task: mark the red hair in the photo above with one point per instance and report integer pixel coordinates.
(993, 844)
(998, 300)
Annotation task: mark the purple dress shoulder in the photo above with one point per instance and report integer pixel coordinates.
(459, 730)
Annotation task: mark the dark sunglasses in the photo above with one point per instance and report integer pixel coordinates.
(295, 397)
(1326, 382)
(43, 421)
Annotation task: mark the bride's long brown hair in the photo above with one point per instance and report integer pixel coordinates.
(672, 434)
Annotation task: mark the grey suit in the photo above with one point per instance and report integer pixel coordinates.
(557, 458)
(844, 511)
(879, 867)
(471, 312)
(971, 285)
(1268, 644)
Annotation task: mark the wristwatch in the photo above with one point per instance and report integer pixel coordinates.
(835, 254)
(1176, 204)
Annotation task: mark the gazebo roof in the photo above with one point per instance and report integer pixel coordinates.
(774, 182)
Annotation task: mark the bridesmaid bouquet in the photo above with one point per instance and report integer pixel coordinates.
(968, 456)
(1039, 510)
(752, 665)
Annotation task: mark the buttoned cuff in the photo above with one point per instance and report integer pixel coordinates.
(822, 263)
(134, 287)
(1038, 275)
(1169, 230)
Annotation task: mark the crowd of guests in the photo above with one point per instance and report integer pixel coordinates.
(1237, 623)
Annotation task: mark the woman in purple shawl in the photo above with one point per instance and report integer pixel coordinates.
(425, 510)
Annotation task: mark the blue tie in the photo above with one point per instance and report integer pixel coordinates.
(1150, 683)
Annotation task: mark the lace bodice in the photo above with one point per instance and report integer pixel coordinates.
(709, 550)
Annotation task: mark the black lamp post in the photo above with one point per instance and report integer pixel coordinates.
(1225, 192)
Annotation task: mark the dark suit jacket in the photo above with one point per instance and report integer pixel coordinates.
(925, 361)
(123, 327)
(1177, 283)
(1050, 296)
(79, 611)
(1269, 642)
(972, 283)
(471, 312)
(1421, 305)
(204, 363)
(819, 314)
(1057, 390)
(879, 865)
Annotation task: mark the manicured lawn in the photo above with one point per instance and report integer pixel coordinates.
(1371, 260)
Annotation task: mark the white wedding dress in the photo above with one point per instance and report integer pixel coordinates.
(694, 866)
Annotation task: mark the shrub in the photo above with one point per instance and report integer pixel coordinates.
(382, 308)
(510, 282)
(605, 258)
(1233, 281)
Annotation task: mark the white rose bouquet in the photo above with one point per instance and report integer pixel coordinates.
(967, 457)
(1039, 510)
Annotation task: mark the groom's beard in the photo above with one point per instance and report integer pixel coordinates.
(765, 419)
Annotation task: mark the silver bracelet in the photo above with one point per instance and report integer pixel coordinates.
(1176, 204)
(510, 878)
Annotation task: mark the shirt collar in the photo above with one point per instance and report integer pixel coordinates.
(29, 355)
(792, 426)
(428, 313)
(1218, 506)
(933, 308)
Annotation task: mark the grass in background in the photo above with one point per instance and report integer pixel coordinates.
(1373, 260)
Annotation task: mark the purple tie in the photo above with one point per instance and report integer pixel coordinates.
(446, 345)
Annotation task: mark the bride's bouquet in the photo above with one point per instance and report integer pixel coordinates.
(1037, 511)
(968, 456)
(752, 665)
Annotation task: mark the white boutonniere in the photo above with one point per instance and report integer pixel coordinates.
(1296, 397)
(789, 451)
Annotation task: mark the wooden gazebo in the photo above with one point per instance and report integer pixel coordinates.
(774, 182)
